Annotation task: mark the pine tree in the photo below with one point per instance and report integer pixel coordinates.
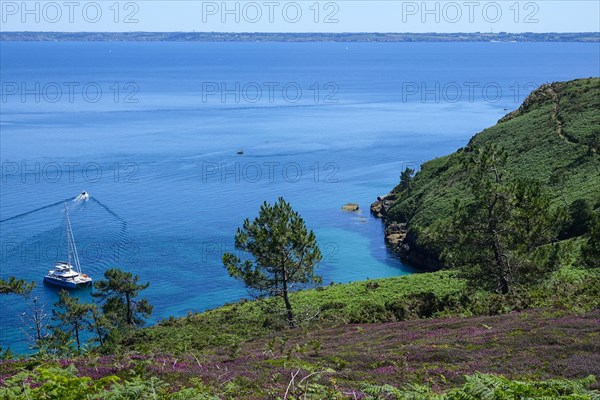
(284, 254)
(119, 291)
(73, 316)
(406, 180)
(15, 286)
(494, 237)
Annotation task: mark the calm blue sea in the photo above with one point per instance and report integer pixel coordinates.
(152, 132)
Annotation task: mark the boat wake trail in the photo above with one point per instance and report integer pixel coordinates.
(111, 212)
(103, 234)
(123, 232)
(38, 209)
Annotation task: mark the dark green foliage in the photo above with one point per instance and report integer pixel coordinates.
(406, 180)
(581, 216)
(284, 254)
(492, 387)
(593, 141)
(551, 139)
(591, 250)
(119, 291)
(100, 325)
(73, 316)
(15, 286)
(493, 238)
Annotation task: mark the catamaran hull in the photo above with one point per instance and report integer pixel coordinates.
(67, 285)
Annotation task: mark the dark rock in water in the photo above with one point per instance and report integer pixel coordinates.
(383, 204)
(401, 240)
(350, 207)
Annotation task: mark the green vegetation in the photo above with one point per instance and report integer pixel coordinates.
(496, 238)
(120, 312)
(550, 141)
(432, 295)
(47, 383)
(119, 291)
(285, 254)
(72, 315)
(406, 180)
(482, 386)
(350, 360)
(15, 286)
(591, 250)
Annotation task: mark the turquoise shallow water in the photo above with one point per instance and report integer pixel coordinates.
(158, 149)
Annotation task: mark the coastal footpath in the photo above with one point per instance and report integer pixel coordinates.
(553, 137)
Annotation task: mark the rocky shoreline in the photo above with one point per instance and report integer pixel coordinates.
(401, 240)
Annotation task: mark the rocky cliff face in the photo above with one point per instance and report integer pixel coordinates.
(401, 240)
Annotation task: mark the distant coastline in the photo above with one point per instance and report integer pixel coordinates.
(582, 37)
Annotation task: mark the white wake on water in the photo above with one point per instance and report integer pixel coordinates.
(83, 196)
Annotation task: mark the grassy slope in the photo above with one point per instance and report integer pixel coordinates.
(438, 294)
(536, 147)
(336, 304)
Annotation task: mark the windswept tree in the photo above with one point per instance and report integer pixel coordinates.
(282, 254)
(495, 237)
(73, 316)
(406, 180)
(119, 291)
(15, 286)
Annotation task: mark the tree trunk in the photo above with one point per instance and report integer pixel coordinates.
(288, 305)
(38, 320)
(502, 281)
(77, 336)
(97, 326)
(129, 313)
(503, 285)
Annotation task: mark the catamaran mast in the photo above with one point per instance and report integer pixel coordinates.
(68, 238)
(71, 247)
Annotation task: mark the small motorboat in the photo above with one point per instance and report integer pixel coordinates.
(83, 196)
(65, 274)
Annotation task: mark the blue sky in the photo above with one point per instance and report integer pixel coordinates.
(301, 16)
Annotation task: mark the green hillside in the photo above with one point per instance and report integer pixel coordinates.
(552, 138)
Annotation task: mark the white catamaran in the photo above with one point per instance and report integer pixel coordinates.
(63, 274)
